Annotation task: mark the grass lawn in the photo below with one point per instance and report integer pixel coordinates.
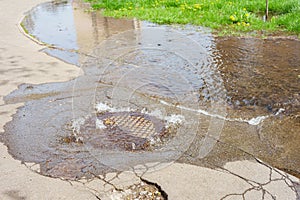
(224, 16)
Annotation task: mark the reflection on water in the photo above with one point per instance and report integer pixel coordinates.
(55, 17)
(92, 28)
(70, 28)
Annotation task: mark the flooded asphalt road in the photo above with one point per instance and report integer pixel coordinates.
(154, 94)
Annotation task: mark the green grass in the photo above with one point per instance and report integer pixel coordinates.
(225, 17)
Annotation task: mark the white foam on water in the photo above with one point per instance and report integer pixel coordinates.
(102, 107)
(178, 119)
(76, 124)
(257, 120)
(253, 121)
(155, 113)
(170, 119)
(280, 111)
(174, 119)
(100, 124)
(204, 112)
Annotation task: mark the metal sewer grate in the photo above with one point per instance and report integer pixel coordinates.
(135, 124)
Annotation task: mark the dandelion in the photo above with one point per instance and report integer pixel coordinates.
(247, 15)
(244, 9)
(238, 23)
(232, 18)
(197, 6)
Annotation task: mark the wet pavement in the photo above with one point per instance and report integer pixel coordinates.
(154, 94)
(261, 79)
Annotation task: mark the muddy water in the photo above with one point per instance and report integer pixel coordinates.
(262, 76)
(261, 73)
(154, 94)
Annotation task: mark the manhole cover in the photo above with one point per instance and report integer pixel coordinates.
(134, 124)
(129, 131)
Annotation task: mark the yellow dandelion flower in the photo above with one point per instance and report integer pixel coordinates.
(197, 6)
(232, 18)
(247, 15)
(238, 23)
(244, 9)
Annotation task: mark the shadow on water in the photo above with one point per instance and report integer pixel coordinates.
(154, 94)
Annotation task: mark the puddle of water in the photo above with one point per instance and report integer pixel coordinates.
(162, 74)
(53, 23)
(111, 54)
(68, 27)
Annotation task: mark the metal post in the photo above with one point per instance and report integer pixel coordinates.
(267, 9)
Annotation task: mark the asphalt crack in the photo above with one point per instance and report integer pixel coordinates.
(163, 193)
(261, 186)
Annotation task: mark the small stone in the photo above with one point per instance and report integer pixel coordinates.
(143, 192)
(133, 146)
